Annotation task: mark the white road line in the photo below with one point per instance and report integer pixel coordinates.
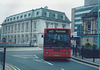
(85, 63)
(42, 61)
(38, 60)
(48, 63)
(36, 56)
(25, 56)
(62, 69)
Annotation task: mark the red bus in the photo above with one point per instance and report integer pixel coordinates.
(57, 43)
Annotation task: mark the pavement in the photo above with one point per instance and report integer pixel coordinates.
(86, 60)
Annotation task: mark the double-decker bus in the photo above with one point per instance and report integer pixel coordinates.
(57, 43)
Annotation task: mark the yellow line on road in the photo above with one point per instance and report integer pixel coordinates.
(13, 67)
(85, 63)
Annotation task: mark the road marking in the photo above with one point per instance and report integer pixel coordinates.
(48, 63)
(84, 63)
(42, 61)
(13, 67)
(37, 60)
(17, 68)
(25, 56)
(62, 69)
(36, 56)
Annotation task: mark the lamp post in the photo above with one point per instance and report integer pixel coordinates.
(98, 24)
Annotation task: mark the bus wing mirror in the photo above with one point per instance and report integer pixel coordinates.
(42, 36)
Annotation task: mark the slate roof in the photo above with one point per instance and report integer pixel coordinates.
(39, 13)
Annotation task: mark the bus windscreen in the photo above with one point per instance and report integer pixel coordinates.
(57, 40)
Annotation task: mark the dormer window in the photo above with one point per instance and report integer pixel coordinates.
(63, 17)
(29, 14)
(55, 15)
(14, 18)
(5, 20)
(21, 16)
(10, 19)
(17, 17)
(47, 14)
(25, 15)
(37, 13)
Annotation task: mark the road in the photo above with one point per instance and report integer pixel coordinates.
(32, 59)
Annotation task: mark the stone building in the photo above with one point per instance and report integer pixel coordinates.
(90, 23)
(27, 27)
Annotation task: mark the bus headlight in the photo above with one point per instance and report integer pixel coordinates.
(66, 52)
(47, 52)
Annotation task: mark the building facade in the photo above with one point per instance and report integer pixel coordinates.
(28, 27)
(76, 17)
(77, 14)
(90, 24)
(90, 2)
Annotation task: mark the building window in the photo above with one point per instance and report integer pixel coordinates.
(55, 16)
(56, 25)
(51, 25)
(63, 17)
(22, 39)
(6, 29)
(22, 27)
(89, 26)
(25, 15)
(14, 18)
(35, 38)
(18, 39)
(47, 14)
(27, 39)
(63, 25)
(5, 20)
(10, 19)
(17, 17)
(12, 29)
(15, 27)
(26, 26)
(29, 14)
(47, 24)
(21, 16)
(37, 13)
(9, 29)
(34, 25)
(78, 20)
(18, 27)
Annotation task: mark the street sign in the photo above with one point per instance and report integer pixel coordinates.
(4, 40)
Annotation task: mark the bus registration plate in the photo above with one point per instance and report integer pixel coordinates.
(56, 55)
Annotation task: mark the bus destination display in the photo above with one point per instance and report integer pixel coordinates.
(57, 31)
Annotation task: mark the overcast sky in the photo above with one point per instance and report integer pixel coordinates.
(11, 7)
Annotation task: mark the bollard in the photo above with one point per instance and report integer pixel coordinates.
(94, 53)
(79, 51)
(76, 51)
(82, 52)
(73, 50)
